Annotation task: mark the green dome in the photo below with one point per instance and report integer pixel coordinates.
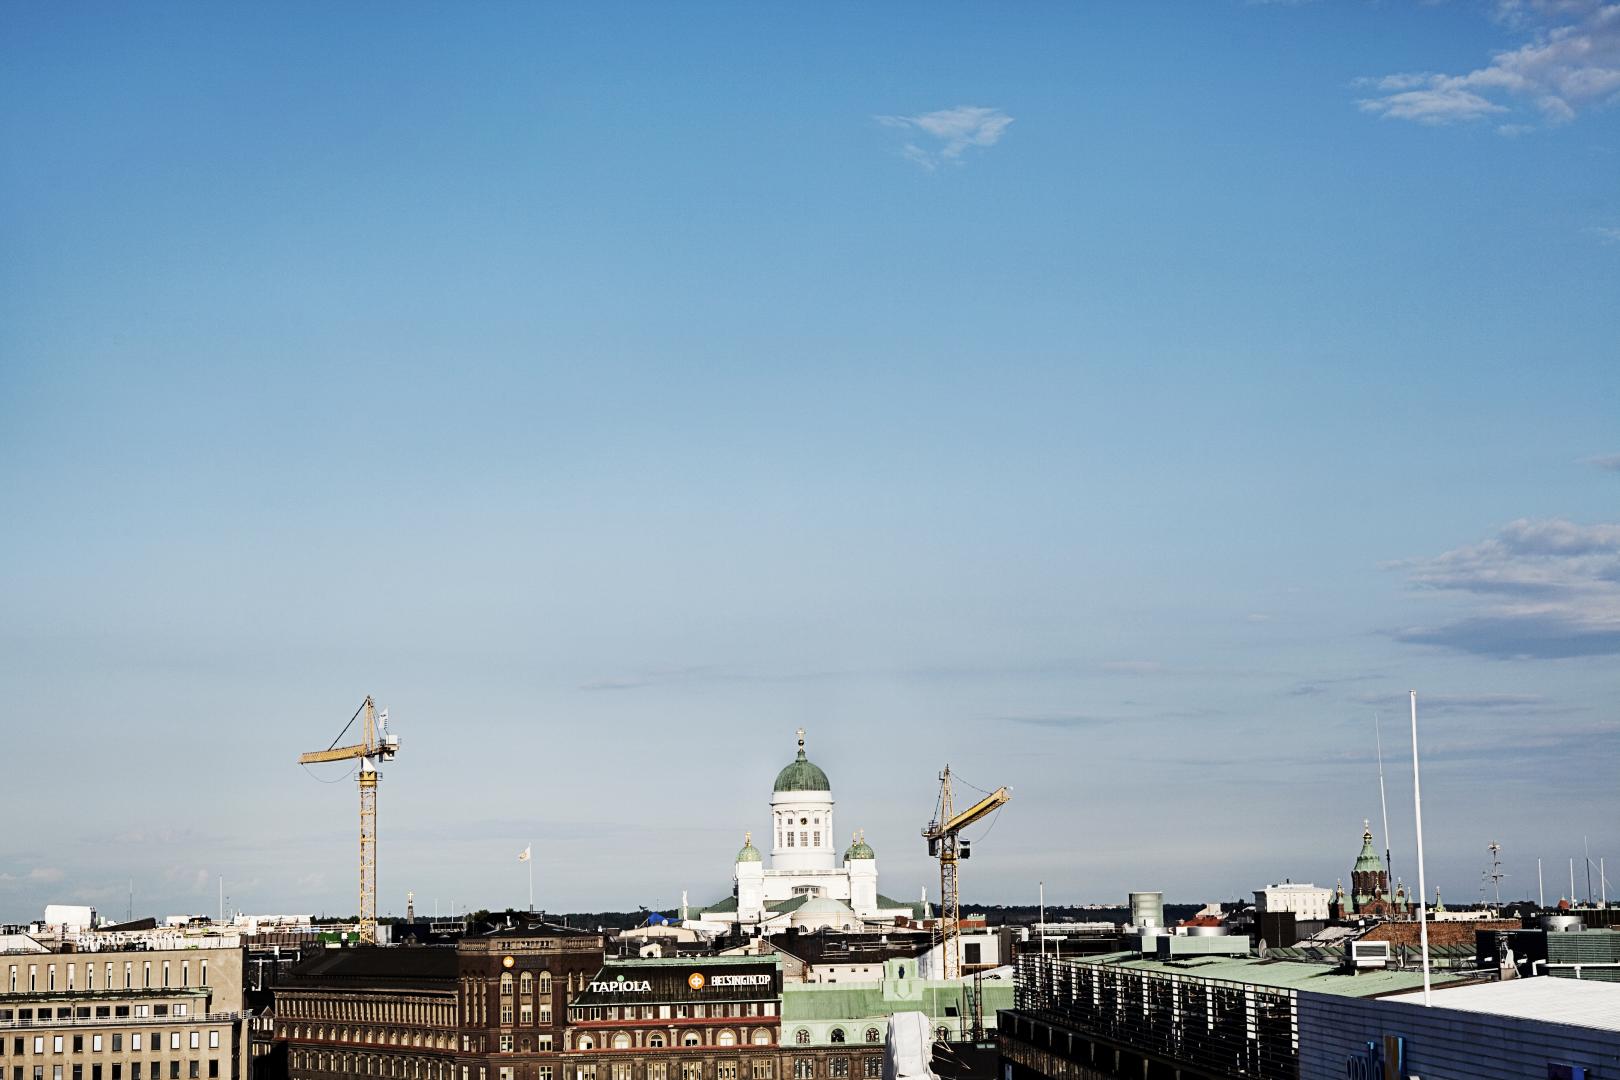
(802, 775)
(859, 849)
(749, 852)
(1368, 859)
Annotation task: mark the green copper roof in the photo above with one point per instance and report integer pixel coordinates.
(1368, 859)
(749, 852)
(859, 849)
(802, 775)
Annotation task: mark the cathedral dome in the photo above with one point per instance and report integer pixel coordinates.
(749, 852)
(802, 774)
(859, 849)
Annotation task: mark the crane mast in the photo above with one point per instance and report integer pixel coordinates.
(376, 744)
(946, 844)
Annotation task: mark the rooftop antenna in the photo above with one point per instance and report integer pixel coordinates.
(1378, 738)
(1541, 892)
(1496, 870)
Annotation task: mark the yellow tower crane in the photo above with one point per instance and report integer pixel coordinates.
(376, 744)
(946, 844)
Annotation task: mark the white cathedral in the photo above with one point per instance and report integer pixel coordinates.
(808, 885)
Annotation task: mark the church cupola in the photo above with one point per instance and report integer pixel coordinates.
(802, 816)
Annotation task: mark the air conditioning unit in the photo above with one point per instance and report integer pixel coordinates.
(1369, 955)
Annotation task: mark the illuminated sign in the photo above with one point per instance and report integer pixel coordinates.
(695, 980)
(738, 980)
(621, 985)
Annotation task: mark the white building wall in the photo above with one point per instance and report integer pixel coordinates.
(1307, 902)
(802, 831)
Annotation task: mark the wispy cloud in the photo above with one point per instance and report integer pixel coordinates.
(1493, 704)
(1609, 234)
(1571, 63)
(1548, 589)
(948, 133)
(1606, 462)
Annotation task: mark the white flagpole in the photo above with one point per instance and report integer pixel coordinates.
(530, 850)
(1043, 918)
(1417, 814)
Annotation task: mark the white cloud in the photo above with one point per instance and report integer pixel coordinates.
(951, 133)
(1609, 234)
(1546, 589)
(1571, 64)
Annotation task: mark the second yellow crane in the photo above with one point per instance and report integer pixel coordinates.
(946, 844)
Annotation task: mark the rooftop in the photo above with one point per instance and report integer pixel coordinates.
(340, 967)
(1557, 1001)
(1282, 974)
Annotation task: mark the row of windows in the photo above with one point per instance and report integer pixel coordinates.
(804, 1068)
(526, 983)
(73, 980)
(391, 1037)
(102, 1012)
(837, 1035)
(195, 1070)
(696, 1010)
(623, 1040)
(371, 1065)
(76, 1044)
(386, 1010)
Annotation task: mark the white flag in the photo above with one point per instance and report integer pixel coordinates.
(523, 856)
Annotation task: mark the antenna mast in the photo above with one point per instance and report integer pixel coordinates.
(1378, 741)
(1496, 870)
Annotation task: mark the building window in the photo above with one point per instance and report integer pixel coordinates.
(506, 984)
(621, 1070)
(790, 840)
(196, 1040)
(871, 1067)
(656, 1039)
(838, 1068)
(504, 1072)
(725, 1070)
(526, 1014)
(621, 1041)
(545, 1072)
(587, 1072)
(691, 1070)
(726, 1038)
(804, 839)
(836, 1035)
(762, 1037)
(802, 1037)
(691, 1038)
(586, 1043)
(818, 837)
(873, 1035)
(545, 982)
(762, 1069)
(657, 1070)
(804, 1068)
(506, 1044)
(213, 1040)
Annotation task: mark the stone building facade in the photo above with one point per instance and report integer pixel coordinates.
(157, 1014)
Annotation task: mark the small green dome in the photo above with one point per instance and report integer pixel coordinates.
(749, 852)
(802, 774)
(859, 849)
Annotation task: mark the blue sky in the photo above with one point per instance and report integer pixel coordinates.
(1119, 404)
